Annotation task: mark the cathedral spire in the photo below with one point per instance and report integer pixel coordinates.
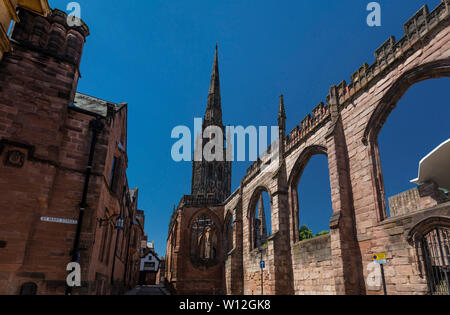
(262, 218)
(214, 109)
(282, 111)
(212, 179)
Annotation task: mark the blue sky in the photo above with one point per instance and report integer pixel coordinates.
(157, 56)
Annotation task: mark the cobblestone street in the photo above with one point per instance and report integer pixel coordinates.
(149, 290)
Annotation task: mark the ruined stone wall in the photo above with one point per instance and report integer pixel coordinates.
(234, 282)
(346, 130)
(313, 272)
(185, 276)
(423, 197)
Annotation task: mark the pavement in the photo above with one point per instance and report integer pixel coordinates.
(149, 290)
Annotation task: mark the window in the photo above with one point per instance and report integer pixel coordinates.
(10, 29)
(113, 176)
(204, 240)
(261, 222)
(149, 265)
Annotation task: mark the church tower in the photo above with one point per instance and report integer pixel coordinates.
(212, 179)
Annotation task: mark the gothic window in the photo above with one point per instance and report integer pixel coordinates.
(261, 222)
(204, 241)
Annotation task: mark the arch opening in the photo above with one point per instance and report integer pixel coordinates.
(310, 195)
(398, 145)
(260, 218)
(409, 93)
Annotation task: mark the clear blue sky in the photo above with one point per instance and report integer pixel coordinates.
(157, 56)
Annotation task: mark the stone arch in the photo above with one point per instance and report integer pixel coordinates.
(384, 108)
(417, 236)
(294, 180)
(209, 239)
(425, 226)
(251, 211)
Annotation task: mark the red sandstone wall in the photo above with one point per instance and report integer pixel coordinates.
(347, 132)
(183, 276)
(313, 272)
(46, 174)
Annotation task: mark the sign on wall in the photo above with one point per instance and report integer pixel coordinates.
(59, 220)
(379, 259)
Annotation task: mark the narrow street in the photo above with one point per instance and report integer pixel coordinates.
(149, 290)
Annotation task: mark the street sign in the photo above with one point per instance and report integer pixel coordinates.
(379, 259)
(59, 220)
(262, 264)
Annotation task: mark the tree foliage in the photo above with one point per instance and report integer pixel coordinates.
(307, 234)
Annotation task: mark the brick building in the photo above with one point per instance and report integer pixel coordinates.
(211, 245)
(63, 159)
(149, 267)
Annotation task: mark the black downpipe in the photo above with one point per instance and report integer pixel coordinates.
(96, 126)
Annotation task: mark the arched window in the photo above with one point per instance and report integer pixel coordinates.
(261, 218)
(28, 288)
(314, 199)
(310, 195)
(417, 125)
(204, 241)
(436, 256)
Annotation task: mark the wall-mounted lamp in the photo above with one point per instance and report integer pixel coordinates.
(120, 221)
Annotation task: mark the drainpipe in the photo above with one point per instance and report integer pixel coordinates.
(96, 126)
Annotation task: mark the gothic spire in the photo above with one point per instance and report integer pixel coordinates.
(262, 218)
(282, 111)
(214, 110)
